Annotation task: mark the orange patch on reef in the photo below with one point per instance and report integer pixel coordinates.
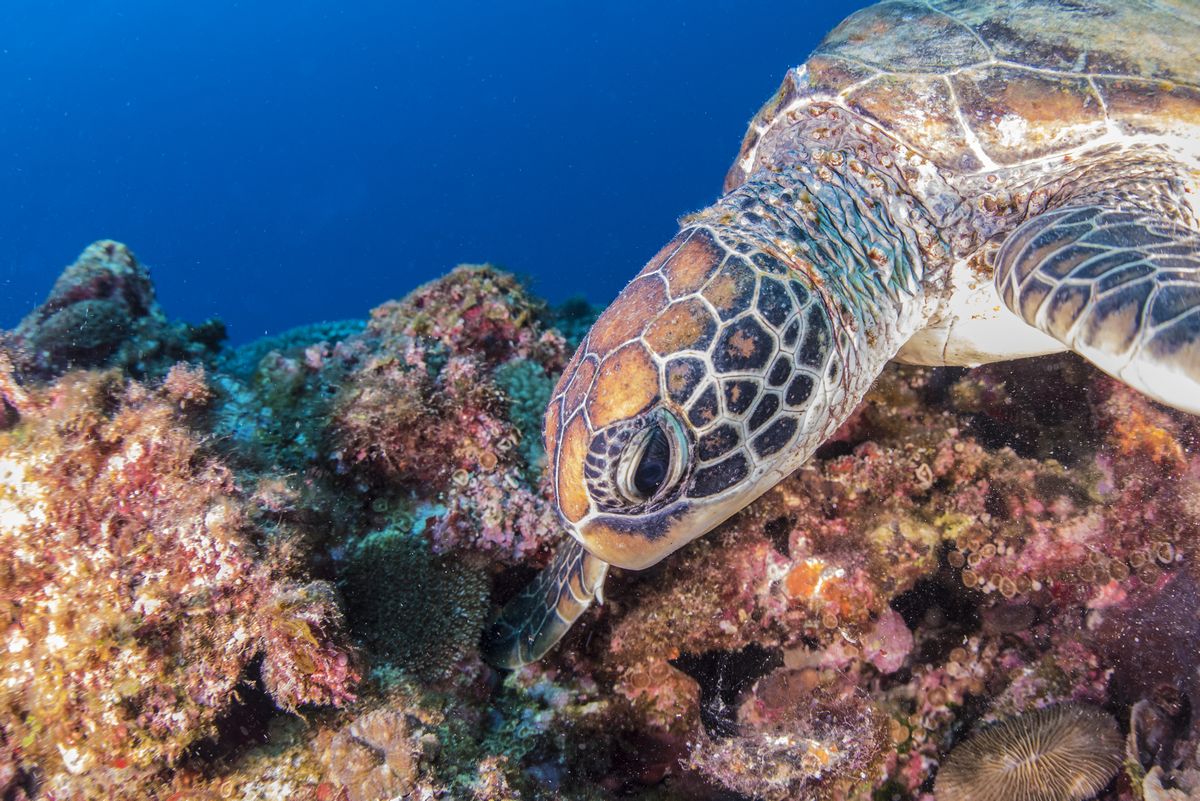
(1135, 434)
(627, 384)
(572, 493)
(692, 265)
(679, 327)
(626, 318)
(803, 579)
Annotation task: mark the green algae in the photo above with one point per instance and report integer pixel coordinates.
(416, 612)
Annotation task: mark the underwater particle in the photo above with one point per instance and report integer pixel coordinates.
(1067, 752)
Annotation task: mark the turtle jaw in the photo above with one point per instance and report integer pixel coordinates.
(635, 542)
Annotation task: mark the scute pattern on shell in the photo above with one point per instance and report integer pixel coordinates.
(974, 86)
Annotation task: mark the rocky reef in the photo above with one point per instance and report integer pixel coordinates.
(262, 573)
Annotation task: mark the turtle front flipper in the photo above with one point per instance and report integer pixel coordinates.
(1119, 287)
(531, 623)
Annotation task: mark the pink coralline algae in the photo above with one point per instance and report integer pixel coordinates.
(425, 406)
(935, 568)
(139, 586)
(496, 513)
(803, 736)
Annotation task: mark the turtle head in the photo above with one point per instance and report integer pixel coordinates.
(686, 399)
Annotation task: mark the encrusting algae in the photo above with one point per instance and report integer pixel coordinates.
(262, 573)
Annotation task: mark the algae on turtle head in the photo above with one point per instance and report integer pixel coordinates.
(945, 187)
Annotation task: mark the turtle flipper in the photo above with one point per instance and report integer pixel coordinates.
(531, 623)
(1119, 287)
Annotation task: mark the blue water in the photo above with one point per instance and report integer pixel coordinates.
(277, 163)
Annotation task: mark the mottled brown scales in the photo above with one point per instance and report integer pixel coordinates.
(571, 493)
(692, 265)
(677, 381)
(626, 384)
(550, 426)
(686, 324)
(626, 317)
(1029, 78)
(742, 344)
(1150, 106)
(918, 104)
(580, 385)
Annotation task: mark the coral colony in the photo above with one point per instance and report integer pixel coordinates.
(263, 572)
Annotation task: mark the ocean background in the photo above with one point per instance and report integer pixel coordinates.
(281, 163)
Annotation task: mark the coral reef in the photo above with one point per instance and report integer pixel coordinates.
(191, 548)
(804, 735)
(138, 584)
(433, 611)
(440, 401)
(102, 312)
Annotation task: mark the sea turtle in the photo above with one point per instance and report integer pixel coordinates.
(949, 182)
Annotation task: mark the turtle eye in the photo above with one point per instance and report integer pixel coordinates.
(651, 470)
(652, 461)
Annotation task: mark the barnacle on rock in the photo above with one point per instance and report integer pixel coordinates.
(1060, 753)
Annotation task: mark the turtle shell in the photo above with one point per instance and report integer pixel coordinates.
(976, 85)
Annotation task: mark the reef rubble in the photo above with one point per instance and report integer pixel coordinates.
(262, 572)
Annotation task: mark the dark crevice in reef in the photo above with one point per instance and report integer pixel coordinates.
(779, 532)
(832, 450)
(941, 612)
(245, 724)
(723, 676)
(1045, 413)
